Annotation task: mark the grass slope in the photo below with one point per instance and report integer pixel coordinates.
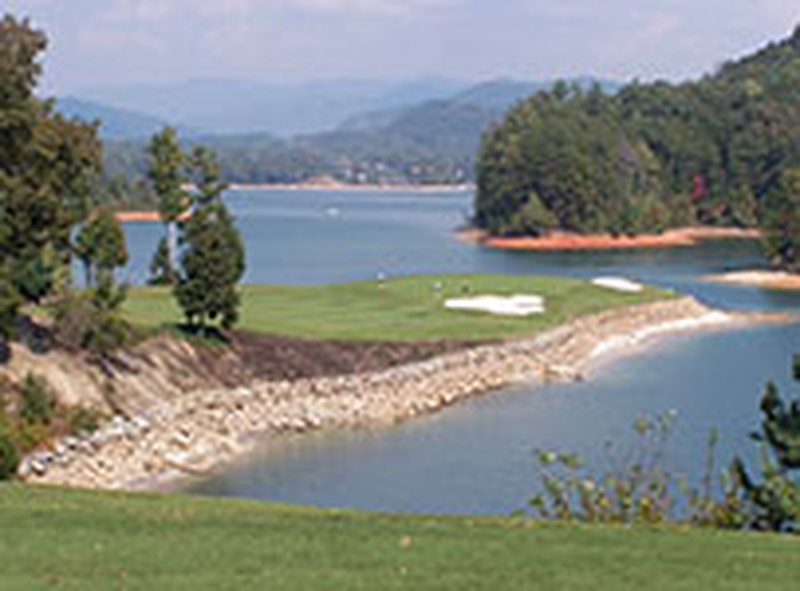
(52, 538)
(404, 309)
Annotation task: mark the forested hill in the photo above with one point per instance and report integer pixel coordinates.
(715, 151)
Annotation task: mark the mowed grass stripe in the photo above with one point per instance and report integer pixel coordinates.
(402, 309)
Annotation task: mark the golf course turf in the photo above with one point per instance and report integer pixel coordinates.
(402, 309)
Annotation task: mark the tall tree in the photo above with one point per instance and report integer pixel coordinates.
(166, 174)
(207, 177)
(46, 166)
(212, 263)
(213, 259)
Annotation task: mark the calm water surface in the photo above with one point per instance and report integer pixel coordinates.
(478, 457)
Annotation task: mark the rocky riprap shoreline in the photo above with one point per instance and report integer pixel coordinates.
(197, 432)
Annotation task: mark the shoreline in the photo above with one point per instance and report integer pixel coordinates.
(763, 278)
(192, 436)
(340, 187)
(565, 241)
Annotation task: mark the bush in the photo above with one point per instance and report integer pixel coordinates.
(640, 490)
(9, 458)
(83, 420)
(38, 404)
(93, 322)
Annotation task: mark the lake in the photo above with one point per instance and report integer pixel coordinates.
(478, 456)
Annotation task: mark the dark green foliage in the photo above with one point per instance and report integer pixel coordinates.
(37, 402)
(207, 173)
(100, 245)
(781, 224)
(773, 503)
(47, 165)
(167, 177)
(718, 151)
(212, 262)
(555, 165)
(211, 266)
(166, 174)
(9, 457)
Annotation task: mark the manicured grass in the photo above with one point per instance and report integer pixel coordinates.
(52, 538)
(404, 309)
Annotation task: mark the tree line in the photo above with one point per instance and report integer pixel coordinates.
(723, 150)
(52, 214)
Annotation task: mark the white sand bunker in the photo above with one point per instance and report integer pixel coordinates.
(618, 284)
(516, 305)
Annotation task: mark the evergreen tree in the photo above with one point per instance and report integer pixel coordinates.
(166, 174)
(213, 259)
(207, 177)
(100, 245)
(212, 264)
(774, 502)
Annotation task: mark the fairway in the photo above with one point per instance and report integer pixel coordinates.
(52, 538)
(403, 309)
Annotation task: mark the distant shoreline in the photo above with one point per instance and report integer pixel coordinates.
(338, 187)
(149, 215)
(563, 241)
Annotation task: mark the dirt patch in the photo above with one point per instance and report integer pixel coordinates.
(267, 357)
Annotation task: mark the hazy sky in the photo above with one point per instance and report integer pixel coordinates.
(109, 42)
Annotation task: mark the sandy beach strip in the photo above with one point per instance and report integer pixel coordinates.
(564, 241)
(766, 279)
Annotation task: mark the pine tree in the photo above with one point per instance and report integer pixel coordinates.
(166, 174)
(100, 245)
(213, 260)
(212, 264)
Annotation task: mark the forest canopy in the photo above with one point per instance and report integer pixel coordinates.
(653, 156)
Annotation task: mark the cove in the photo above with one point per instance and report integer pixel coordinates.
(478, 457)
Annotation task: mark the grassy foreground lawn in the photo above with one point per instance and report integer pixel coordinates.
(53, 538)
(404, 309)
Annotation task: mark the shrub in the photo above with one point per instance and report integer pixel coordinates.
(639, 490)
(37, 403)
(9, 458)
(773, 503)
(83, 420)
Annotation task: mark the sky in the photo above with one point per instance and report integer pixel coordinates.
(100, 43)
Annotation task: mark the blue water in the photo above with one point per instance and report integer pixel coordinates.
(478, 456)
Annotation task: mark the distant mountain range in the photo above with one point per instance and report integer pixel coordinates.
(115, 123)
(356, 131)
(233, 107)
(237, 106)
